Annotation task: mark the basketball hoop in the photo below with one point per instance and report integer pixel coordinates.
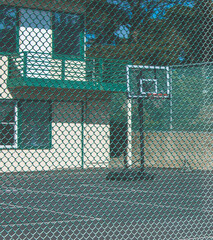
(143, 82)
(157, 95)
(148, 82)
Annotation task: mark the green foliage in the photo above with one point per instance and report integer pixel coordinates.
(150, 32)
(190, 99)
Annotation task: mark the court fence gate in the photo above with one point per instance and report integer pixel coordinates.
(106, 119)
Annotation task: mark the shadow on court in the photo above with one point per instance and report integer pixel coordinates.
(84, 205)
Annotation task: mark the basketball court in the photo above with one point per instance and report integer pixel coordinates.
(174, 205)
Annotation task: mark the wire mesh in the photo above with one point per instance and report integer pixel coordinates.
(106, 119)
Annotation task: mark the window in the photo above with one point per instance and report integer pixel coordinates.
(67, 29)
(25, 125)
(8, 29)
(34, 31)
(8, 124)
(35, 124)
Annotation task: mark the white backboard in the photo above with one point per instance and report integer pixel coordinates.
(143, 81)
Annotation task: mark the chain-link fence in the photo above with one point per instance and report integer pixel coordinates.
(106, 119)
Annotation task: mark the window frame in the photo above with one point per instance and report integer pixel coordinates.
(81, 38)
(15, 145)
(54, 54)
(21, 145)
(18, 118)
(6, 53)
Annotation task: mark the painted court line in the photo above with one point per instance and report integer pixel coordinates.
(47, 210)
(69, 195)
(85, 195)
(108, 199)
(175, 194)
(10, 207)
(151, 204)
(198, 238)
(148, 191)
(51, 222)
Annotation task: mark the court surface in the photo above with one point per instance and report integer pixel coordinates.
(83, 205)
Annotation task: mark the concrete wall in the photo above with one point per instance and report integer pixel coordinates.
(78, 141)
(190, 150)
(178, 149)
(4, 92)
(97, 134)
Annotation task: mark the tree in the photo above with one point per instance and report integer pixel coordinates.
(134, 30)
(103, 20)
(194, 23)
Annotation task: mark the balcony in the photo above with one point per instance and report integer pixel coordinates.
(30, 69)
